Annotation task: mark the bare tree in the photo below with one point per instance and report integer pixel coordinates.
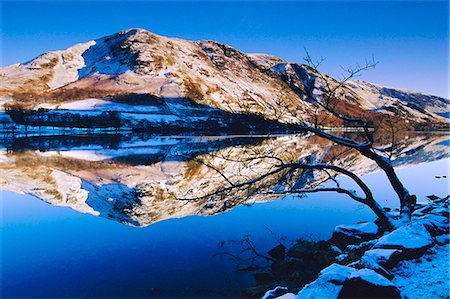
(327, 101)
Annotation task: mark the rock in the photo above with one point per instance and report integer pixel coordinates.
(340, 273)
(387, 258)
(443, 240)
(314, 255)
(305, 249)
(369, 263)
(343, 259)
(422, 211)
(263, 277)
(278, 252)
(287, 296)
(328, 284)
(344, 235)
(445, 200)
(336, 249)
(275, 293)
(366, 283)
(337, 281)
(412, 239)
(282, 269)
(442, 211)
(255, 292)
(354, 252)
(433, 197)
(303, 276)
(435, 224)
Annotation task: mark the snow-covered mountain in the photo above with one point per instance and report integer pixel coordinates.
(178, 79)
(137, 61)
(394, 99)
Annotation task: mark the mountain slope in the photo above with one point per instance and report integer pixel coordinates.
(400, 102)
(207, 73)
(379, 96)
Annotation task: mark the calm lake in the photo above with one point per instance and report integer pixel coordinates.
(107, 216)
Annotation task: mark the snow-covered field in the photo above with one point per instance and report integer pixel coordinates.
(425, 277)
(100, 105)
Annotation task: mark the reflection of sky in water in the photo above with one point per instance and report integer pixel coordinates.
(57, 252)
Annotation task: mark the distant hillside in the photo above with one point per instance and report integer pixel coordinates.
(151, 80)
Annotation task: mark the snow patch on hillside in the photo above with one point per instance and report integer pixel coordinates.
(99, 105)
(69, 63)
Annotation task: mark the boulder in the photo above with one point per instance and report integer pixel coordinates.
(354, 252)
(328, 284)
(443, 239)
(314, 255)
(282, 269)
(433, 197)
(412, 239)
(307, 250)
(264, 277)
(278, 252)
(287, 296)
(435, 224)
(442, 211)
(337, 281)
(387, 258)
(255, 292)
(366, 283)
(345, 235)
(369, 263)
(423, 210)
(275, 293)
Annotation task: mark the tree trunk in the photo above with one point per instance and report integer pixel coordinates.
(407, 201)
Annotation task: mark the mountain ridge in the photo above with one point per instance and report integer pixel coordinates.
(136, 61)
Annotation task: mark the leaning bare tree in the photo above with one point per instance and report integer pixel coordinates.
(327, 101)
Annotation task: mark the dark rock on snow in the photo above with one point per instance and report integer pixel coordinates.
(368, 285)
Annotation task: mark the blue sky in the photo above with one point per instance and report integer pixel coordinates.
(409, 39)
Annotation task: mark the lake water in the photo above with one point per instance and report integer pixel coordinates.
(114, 228)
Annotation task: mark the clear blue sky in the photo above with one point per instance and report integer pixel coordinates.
(409, 39)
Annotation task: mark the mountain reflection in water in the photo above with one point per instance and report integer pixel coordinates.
(59, 252)
(138, 180)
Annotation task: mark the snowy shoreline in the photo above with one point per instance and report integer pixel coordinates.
(409, 262)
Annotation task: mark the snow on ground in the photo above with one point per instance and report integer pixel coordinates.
(426, 277)
(100, 105)
(132, 113)
(69, 62)
(83, 155)
(150, 117)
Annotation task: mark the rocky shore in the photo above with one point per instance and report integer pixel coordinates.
(362, 262)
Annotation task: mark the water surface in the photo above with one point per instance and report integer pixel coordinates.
(140, 243)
